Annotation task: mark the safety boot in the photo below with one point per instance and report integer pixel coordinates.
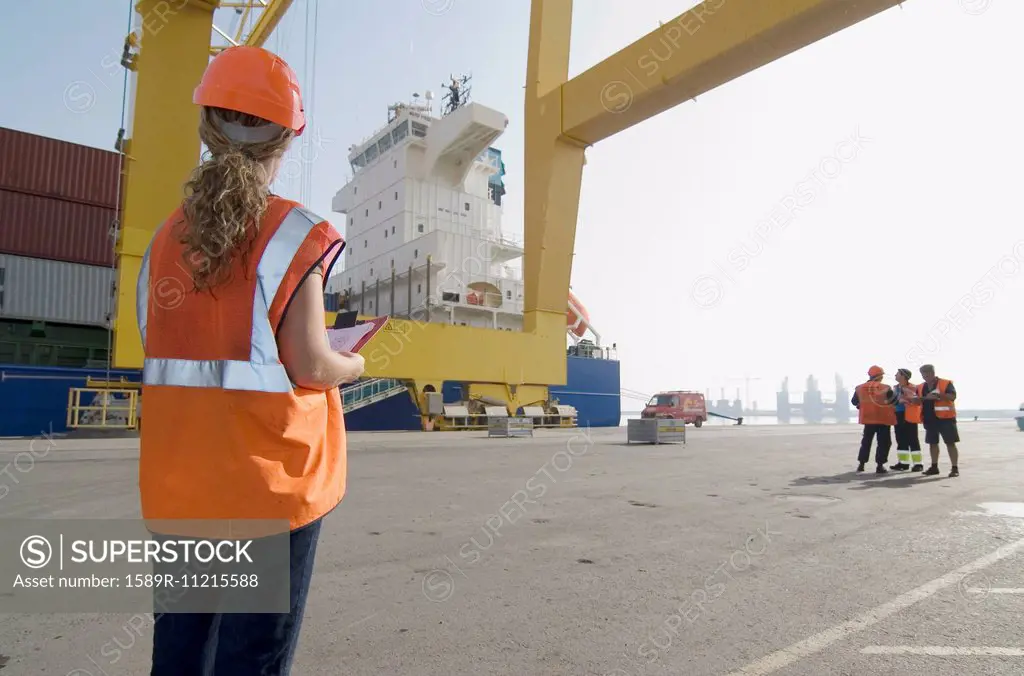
(917, 468)
(860, 467)
(932, 471)
(881, 470)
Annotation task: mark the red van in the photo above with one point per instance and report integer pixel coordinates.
(678, 405)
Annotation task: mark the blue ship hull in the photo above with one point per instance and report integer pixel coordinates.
(592, 387)
(34, 399)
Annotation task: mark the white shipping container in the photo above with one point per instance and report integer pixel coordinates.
(55, 291)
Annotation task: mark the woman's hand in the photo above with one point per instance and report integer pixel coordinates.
(355, 365)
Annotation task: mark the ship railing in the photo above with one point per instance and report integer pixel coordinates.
(370, 391)
(105, 408)
(485, 235)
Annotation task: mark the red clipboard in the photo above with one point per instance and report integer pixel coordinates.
(356, 337)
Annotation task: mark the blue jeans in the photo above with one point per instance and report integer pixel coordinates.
(191, 644)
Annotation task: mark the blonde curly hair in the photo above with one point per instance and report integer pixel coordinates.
(226, 195)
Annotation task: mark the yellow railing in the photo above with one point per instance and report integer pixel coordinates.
(103, 384)
(108, 408)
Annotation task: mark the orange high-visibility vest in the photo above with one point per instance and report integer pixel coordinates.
(911, 412)
(873, 407)
(228, 436)
(943, 409)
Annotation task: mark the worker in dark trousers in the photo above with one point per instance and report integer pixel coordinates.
(908, 415)
(877, 405)
(938, 412)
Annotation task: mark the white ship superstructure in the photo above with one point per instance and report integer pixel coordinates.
(424, 219)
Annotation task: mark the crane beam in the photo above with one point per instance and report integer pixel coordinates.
(268, 20)
(703, 48)
(161, 152)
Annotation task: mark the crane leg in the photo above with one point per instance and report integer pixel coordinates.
(162, 149)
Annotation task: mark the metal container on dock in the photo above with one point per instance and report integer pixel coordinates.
(42, 227)
(42, 166)
(55, 291)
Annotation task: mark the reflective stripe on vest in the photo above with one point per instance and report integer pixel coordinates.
(264, 371)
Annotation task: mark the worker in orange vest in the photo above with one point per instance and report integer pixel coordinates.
(938, 412)
(908, 416)
(876, 402)
(243, 412)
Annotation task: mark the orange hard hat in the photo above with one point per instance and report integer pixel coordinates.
(875, 371)
(254, 81)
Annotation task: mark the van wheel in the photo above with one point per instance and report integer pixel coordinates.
(698, 422)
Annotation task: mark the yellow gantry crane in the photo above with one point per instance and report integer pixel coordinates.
(706, 46)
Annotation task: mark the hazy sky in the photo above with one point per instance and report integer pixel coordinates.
(855, 203)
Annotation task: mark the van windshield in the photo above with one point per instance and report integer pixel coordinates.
(662, 400)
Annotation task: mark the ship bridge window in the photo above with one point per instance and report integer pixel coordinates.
(419, 129)
(359, 163)
(400, 132)
(371, 154)
(384, 144)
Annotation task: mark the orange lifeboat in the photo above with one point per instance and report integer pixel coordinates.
(578, 319)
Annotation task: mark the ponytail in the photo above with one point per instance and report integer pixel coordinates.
(226, 196)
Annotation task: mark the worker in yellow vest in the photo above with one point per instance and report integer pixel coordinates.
(876, 402)
(938, 412)
(243, 414)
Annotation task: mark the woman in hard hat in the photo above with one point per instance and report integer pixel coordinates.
(243, 413)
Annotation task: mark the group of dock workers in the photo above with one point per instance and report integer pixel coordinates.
(904, 407)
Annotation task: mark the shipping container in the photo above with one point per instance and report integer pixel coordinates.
(49, 344)
(48, 167)
(41, 227)
(55, 291)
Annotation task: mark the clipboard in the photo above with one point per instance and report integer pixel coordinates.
(356, 337)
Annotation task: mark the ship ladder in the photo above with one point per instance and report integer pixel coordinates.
(366, 392)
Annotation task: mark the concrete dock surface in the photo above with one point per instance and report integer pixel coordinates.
(748, 551)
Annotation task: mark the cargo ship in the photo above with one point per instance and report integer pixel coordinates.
(417, 238)
(425, 240)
